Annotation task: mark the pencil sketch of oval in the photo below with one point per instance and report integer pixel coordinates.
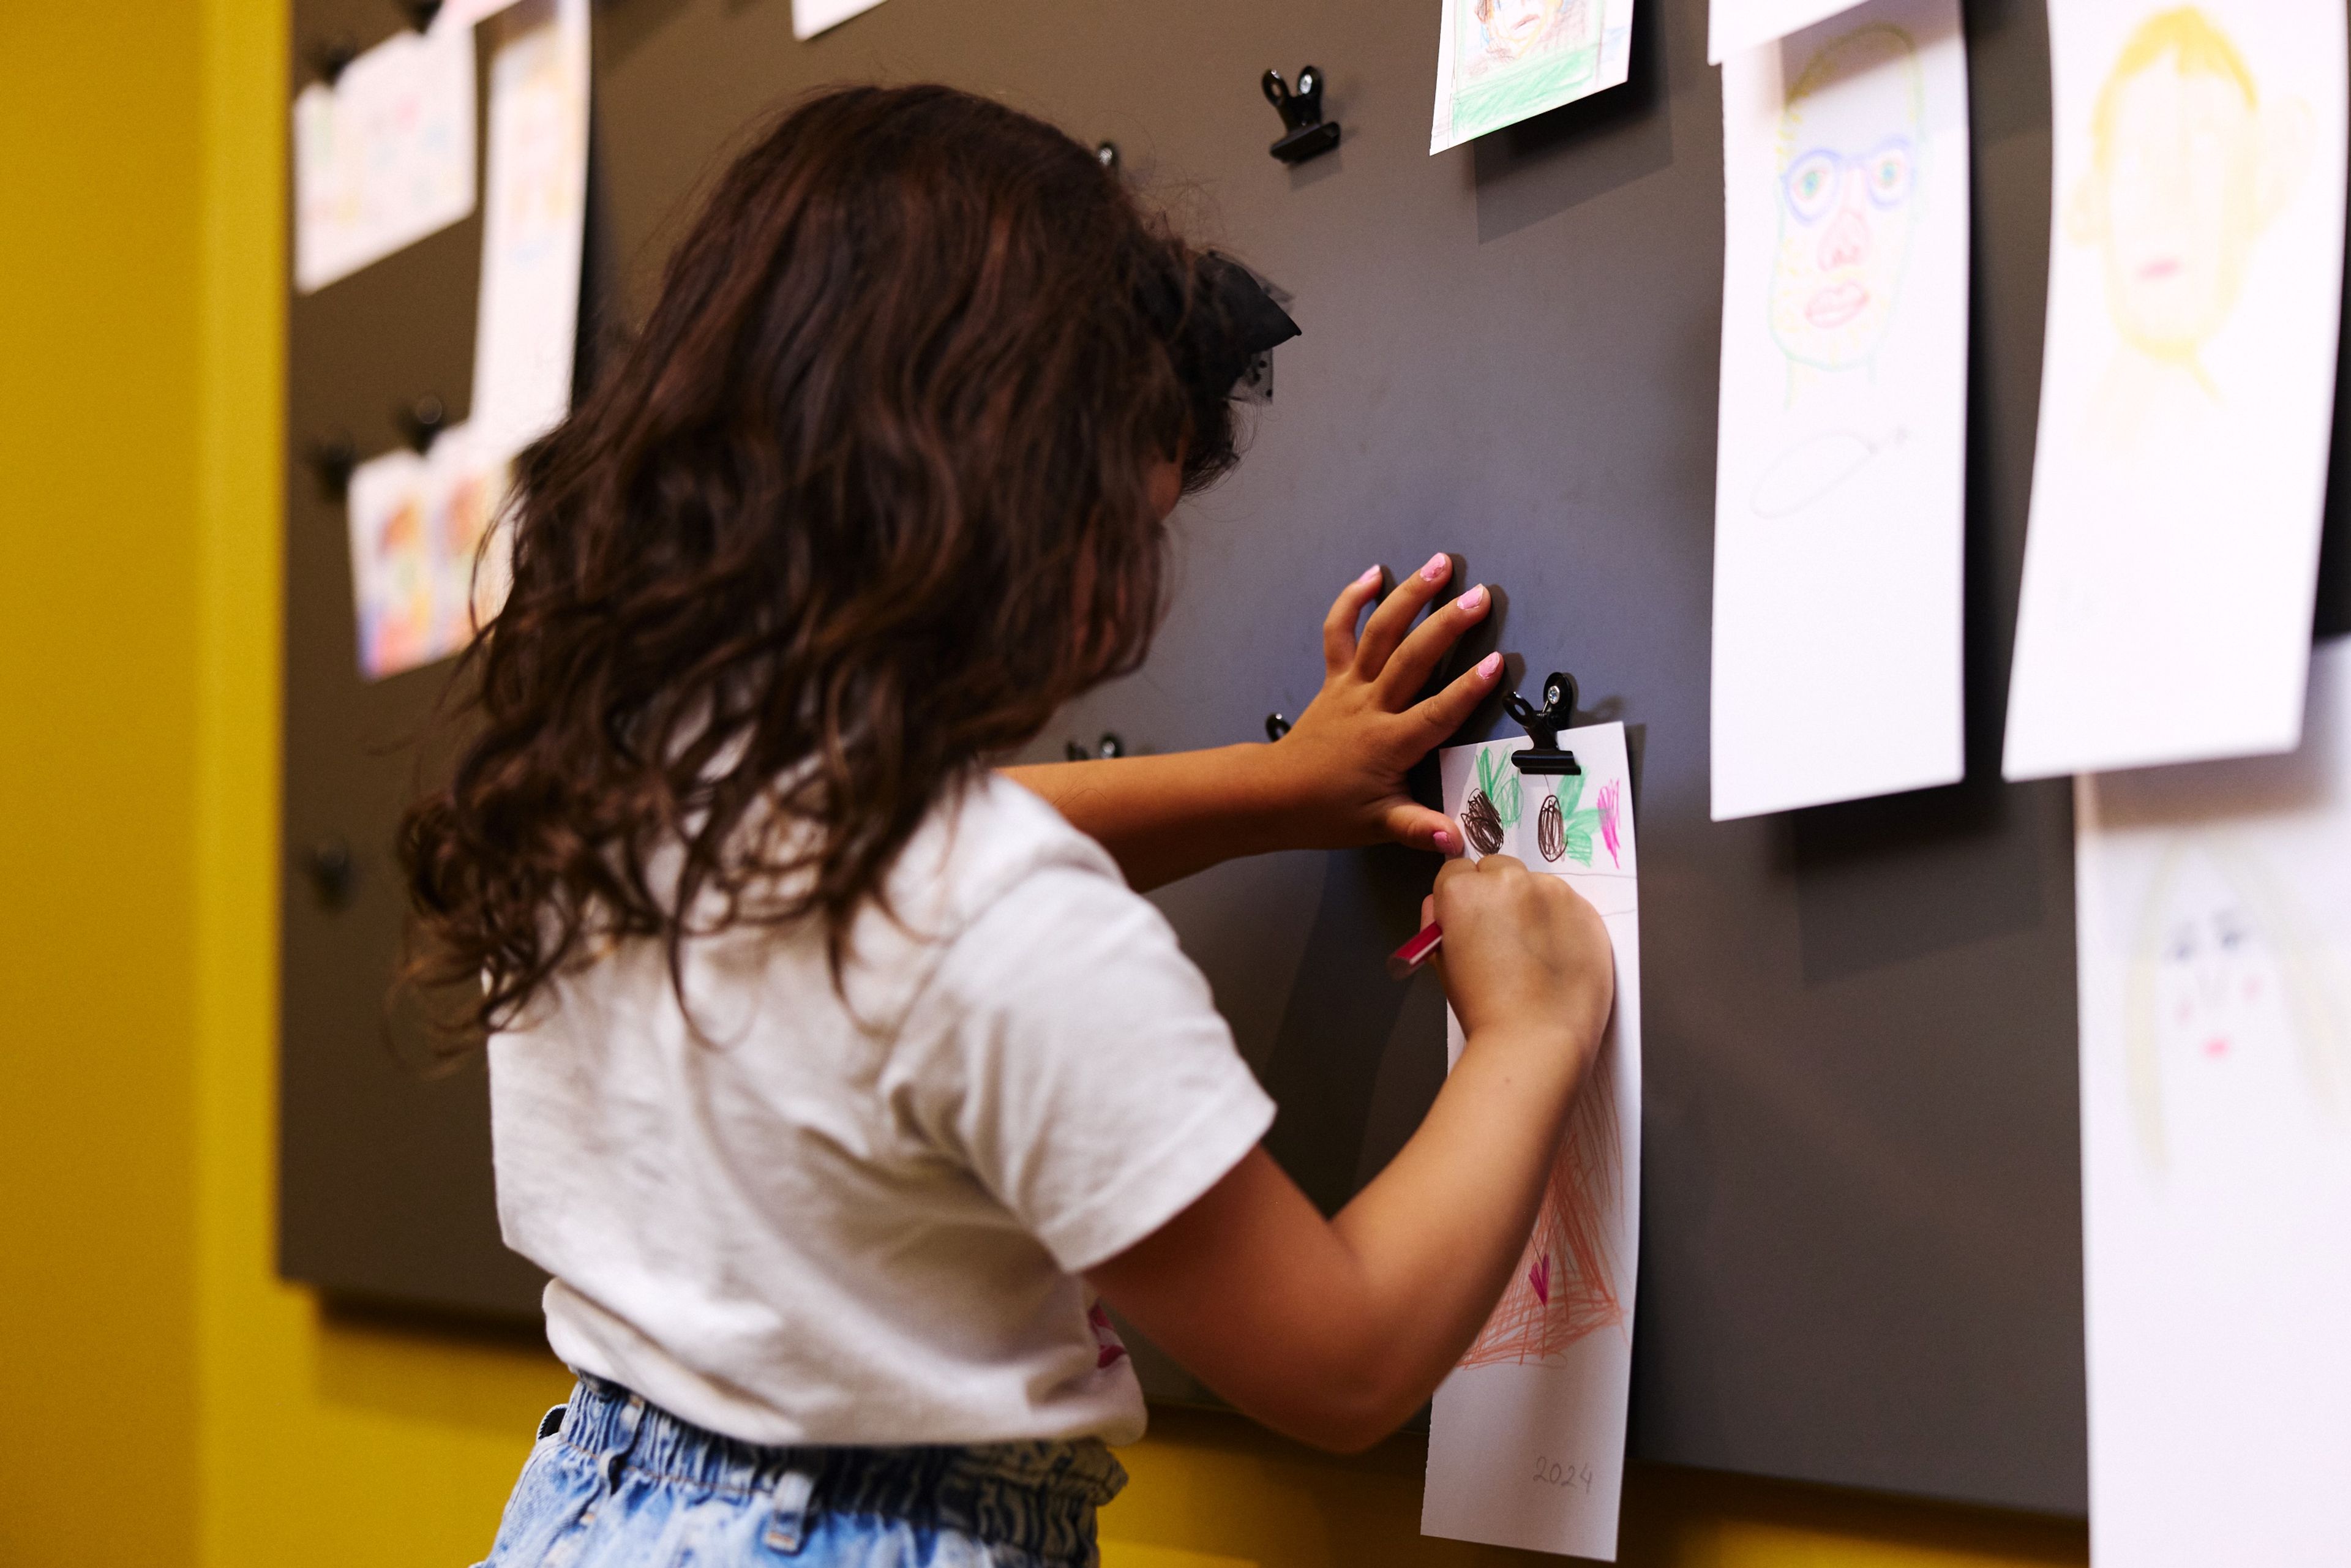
(1808, 471)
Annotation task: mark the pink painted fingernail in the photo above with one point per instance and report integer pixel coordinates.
(1474, 600)
(1368, 578)
(1439, 565)
(1490, 666)
(1441, 839)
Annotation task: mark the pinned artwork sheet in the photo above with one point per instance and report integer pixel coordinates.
(1526, 1440)
(462, 14)
(421, 581)
(2186, 384)
(384, 157)
(2215, 954)
(535, 222)
(1840, 470)
(1501, 61)
(811, 17)
(1732, 25)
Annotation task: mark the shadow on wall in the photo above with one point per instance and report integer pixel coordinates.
(1540, 167)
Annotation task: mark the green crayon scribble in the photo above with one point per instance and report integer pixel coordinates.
(1499, 782)
(1577, 826)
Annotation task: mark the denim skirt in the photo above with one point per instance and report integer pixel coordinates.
(613, 1480)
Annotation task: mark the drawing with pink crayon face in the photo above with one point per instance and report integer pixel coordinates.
(1511, 28)
(2231, 1026)
(1850, 147)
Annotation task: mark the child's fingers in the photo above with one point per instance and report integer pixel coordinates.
(1339, 626)
(1409, 669)
(1396, 614)
(1450, 709)
(1416, 827)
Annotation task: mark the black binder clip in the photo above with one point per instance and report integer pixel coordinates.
(422, 422)
(1309, 135)
(331, 59)
(331, 462)
(1544, 725)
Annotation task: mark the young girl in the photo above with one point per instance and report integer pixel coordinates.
(834, 1076)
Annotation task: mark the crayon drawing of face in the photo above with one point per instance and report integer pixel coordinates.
(1512, 29)
(1850, 146)
(2230, 1027)
(397, 628)
(2186, 170)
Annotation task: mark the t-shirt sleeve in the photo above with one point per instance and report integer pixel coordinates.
(1074, 1059)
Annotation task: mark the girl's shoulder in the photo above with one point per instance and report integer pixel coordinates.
(983, 841)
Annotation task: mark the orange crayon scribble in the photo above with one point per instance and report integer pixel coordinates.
(1565, 1287)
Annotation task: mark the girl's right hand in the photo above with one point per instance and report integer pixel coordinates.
(1524, 953)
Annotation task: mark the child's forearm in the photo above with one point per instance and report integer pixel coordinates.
(1438, 1233)
(1335, 1331)
(1164, 818)
(1337, 778)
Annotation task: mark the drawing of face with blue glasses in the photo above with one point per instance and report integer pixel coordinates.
(1850, 146)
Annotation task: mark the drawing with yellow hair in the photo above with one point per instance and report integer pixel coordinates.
(2213, 940)
(2229, 1011)
(2188, 168)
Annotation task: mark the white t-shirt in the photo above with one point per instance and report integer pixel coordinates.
(796, 1220)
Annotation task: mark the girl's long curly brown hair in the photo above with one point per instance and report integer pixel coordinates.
(865, 502)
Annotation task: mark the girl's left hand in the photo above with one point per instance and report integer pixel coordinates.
(1341, 768)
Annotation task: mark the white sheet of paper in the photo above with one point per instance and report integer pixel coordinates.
(811, 17)
(1520, 58)
(1840, 469)
(534, 227)
(1526, 1441)
(2186, 382)
(461, 14)
(384, 157)
(1732, 25)
(2215, 951)
(417, 524)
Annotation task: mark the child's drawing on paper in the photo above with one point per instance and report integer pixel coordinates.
(2187, 166)
(426, 565)
(2229, 1010)
(1501, 61)
(1566, 1284)
(1550, 1371)
(1840, 447)
(1848, 169)
(1850, 151)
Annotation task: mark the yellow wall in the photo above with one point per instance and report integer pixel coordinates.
(98, 439)
(170, 1402)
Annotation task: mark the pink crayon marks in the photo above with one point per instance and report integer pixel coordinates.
(1609, 796)
(1108, 1351)
(1566, 1286)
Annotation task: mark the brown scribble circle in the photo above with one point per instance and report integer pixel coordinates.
(1551, 829)
(1482, 822)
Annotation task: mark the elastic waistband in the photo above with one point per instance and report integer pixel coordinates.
(1033, 1497)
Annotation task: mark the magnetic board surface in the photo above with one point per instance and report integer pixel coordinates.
(1861, 1258)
